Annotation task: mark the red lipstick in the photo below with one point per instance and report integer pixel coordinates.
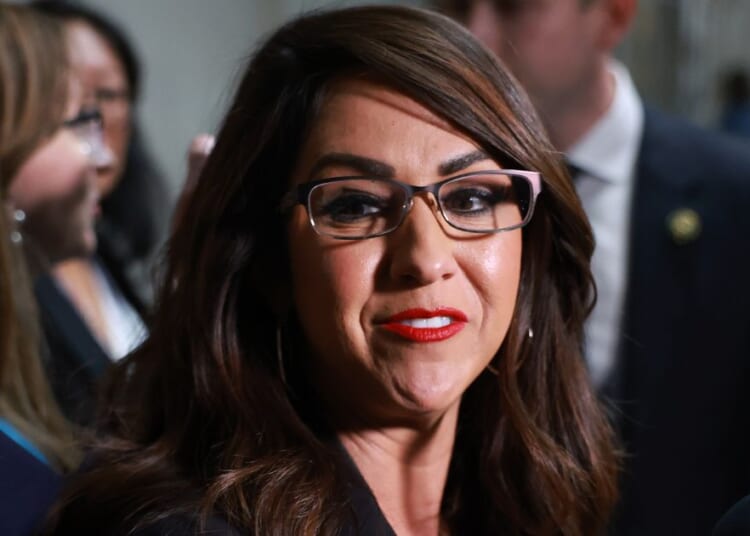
(423, 325)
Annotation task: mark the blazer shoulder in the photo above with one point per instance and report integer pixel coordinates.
(28, 488)
(736, 522)
(673, 142)
(677, 153)
(183, 525)
(171, 525)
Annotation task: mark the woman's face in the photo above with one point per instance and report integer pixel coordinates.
(105, 85)
(363, 304)
(56, 188)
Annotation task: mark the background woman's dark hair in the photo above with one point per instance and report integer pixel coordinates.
(200, 416)
(133, 215)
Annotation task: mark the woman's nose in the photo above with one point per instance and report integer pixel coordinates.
(100, 155)
(102, 158)
(420, 250)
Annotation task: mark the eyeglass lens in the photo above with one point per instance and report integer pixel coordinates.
(361, 207)
(89, 129)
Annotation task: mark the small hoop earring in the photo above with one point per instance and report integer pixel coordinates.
(280, 355)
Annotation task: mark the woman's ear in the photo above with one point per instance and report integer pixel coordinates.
(618, 17)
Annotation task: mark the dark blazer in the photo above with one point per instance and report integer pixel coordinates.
(368, 521)
(116, 260)
(74, 359)
(736, 522)
(367, 518)
(682, 393)
(27, 489)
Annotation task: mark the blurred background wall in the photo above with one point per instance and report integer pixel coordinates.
(679, 51)
(193, 50)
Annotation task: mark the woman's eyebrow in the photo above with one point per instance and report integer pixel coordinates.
(454, 165)
(364, 165)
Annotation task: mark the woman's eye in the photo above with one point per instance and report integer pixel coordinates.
(352, 207)
(474, 199)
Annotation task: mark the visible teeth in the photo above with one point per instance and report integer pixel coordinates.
(434, 322)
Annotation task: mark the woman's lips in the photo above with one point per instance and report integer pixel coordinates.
(423, 325)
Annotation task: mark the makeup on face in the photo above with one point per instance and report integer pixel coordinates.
(426, 326)
(402, 317)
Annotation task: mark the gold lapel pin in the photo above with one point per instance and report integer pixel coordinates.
(684, 225)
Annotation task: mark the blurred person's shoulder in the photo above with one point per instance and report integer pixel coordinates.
(28, 487)
(693, 152)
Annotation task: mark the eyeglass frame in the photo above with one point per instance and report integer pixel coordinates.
(84, 117)
(300, 195)
(92, 139)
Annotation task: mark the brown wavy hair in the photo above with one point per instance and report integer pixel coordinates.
(34, 79)
(199, 417)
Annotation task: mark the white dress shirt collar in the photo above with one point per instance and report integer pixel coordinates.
(607, 157)
(609, 150)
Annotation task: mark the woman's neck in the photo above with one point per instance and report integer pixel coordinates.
(406, 469)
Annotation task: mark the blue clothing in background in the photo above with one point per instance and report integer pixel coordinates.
(736, 120)
(10, 431)
(28, 486)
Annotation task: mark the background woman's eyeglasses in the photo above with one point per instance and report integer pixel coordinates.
(88, 126)
(354, 208)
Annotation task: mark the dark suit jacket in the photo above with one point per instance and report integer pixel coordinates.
(367, 518)
(74, 359)
(736, 522)
(683, 389)
(369, 521)
(27, 489)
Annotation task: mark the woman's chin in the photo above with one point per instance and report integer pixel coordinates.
(431, 392)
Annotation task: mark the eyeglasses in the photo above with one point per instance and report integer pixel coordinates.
(88, 127)
(355, 208)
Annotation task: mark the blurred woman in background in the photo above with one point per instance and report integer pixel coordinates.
(111, 73)
(96, 305)
(49, 199)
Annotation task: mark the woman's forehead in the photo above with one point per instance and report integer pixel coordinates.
(364, 89)
(355, 106)
(376, 121)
